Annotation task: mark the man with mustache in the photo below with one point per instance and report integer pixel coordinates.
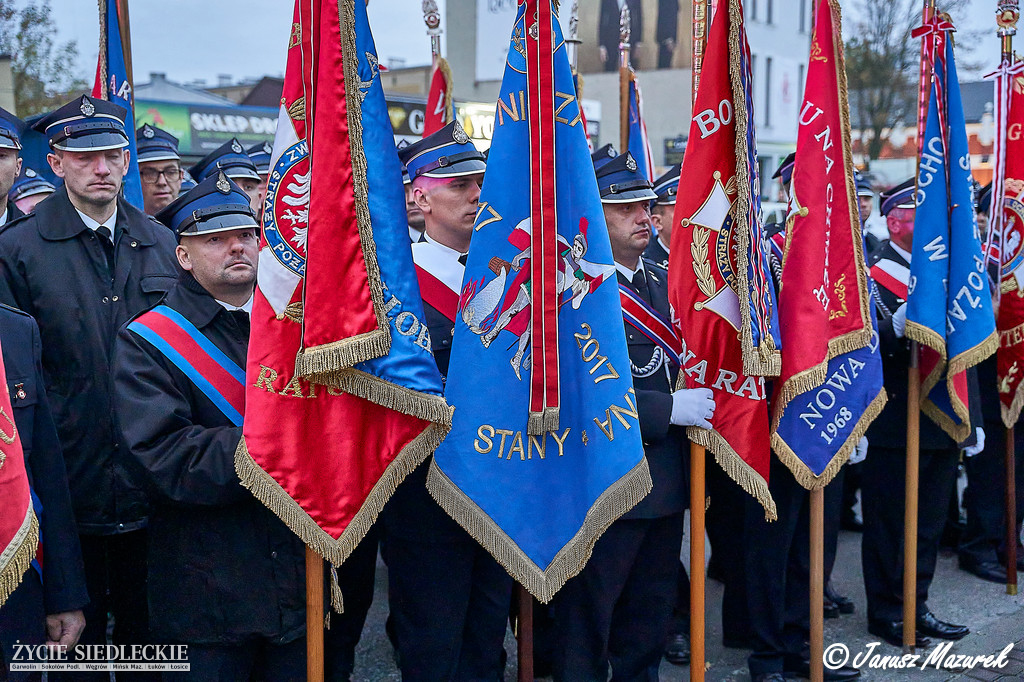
(82, 264)
(179, 386)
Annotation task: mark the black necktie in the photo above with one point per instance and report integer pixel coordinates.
(107, 242)
(462, 258)
(640, 285)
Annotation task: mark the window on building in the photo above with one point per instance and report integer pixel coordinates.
(801, 82)
(752, 10)
(768, 92)
(803, 16)
(768, 11)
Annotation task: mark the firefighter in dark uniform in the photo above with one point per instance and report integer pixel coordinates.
(865, 201)
(226, 576)
(884, 476)
(618, 610)
(982, 550)
(662, 210)
(10, 164)
(159, 167)
(47, 605)
(82, 264)
(449, 598)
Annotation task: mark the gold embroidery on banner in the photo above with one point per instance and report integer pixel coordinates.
(14, 428)
(701, 266)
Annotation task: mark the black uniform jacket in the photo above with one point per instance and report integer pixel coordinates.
(222, 567)
(13, 212)
(63, 575)
(890, 428)
(653, 380)
(656, 253)
(53, 267)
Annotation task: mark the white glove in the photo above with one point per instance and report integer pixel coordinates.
(693, 407)
(860, 452)
(977, 447)
(899, 321)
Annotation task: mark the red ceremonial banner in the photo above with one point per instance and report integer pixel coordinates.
(703, 284)
(19, 528)
(823, 297)
(1010, 314)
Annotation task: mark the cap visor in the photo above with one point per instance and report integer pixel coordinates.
(158, 156)
(467, 167)
(629, 196)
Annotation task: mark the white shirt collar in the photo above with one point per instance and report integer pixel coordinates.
(663, 244)
(110, 223)
(447, 250)
(245, 307)
(897, 249)
(627, 273)
(3, 216)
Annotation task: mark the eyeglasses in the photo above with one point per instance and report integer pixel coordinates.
(151, 176)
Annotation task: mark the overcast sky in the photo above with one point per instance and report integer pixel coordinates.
(201, 39)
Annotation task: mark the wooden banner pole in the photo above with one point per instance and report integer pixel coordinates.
(314, 616)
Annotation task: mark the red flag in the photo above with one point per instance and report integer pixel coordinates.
(325, 457)
(440, 108)
(703, 270)
(823, 297)
(1008, 233)
(19, 528)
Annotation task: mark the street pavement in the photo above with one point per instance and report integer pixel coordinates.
(995, 618)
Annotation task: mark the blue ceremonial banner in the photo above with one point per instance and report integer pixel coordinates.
(539, 501)
(639, 143)
(949, 307)
(821, 427)
(113, 85)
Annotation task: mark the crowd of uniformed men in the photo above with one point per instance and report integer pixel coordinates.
(149, 536)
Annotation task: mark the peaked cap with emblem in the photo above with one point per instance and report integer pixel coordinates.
(785, 169)
(10, 130)
(85, 125)
(187, 182)
(214, 205)
(863, 186)
(231, 158)
(603, 155)
(667, 186)
(620, 181)
(902, 195)
(447, 153)
(156, 144)
(260, 155)
(29, 183)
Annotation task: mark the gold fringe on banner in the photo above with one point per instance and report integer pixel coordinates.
(337, 601)
(737, 469)
(17, 557)
(449, 98)
(807, 478)
(622, 496)
(1012, 413)
(540, 423)
(315, 361)
(336, 550)
(765, 360)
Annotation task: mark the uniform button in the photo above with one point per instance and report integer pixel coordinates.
(444, 342)
(273, 555)
(114, 299)
(120, 525)
(134, 244)
(106, 300)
